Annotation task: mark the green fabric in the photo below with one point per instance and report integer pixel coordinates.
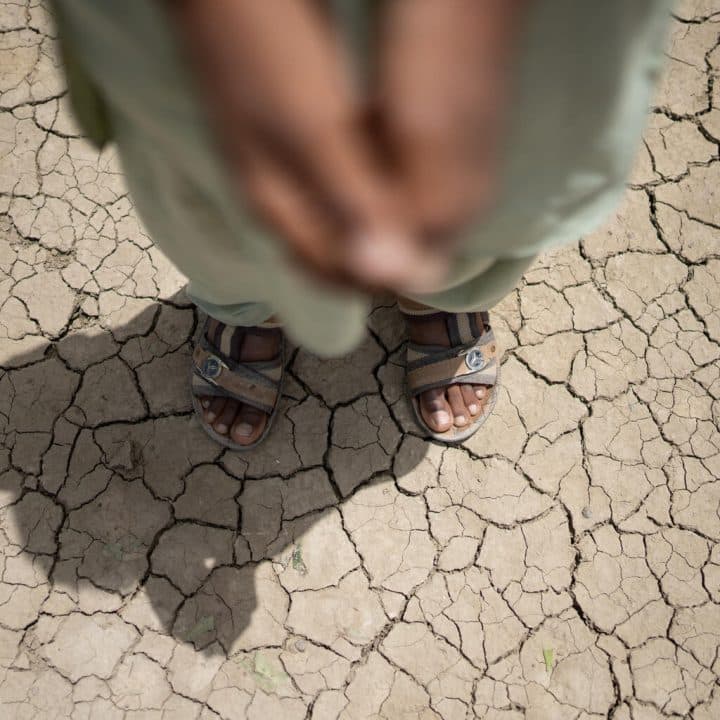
(87, 102)
(585, 76)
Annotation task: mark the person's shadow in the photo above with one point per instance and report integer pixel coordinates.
(111, 490)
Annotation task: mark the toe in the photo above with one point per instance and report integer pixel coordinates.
(214, 409)
(249, 425)
(461, 416)
(470, 399)
(226, 418)
(482, 393)
(435, 410)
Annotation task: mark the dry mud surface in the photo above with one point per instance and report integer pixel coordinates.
(564, 565)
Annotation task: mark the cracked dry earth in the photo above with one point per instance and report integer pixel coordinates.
(563, 565)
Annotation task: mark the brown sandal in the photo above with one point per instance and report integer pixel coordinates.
(473, 358)
(215, 374)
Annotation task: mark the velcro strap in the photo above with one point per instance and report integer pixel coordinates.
(471, 364)
(243, 381)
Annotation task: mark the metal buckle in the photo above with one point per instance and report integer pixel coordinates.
(474, 359)
(212, 367)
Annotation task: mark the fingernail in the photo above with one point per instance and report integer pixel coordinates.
(244, 429)
(473, 408)
(460, 420)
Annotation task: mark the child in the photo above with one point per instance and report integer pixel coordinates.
(288, 177)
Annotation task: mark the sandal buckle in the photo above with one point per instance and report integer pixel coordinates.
(212, 367)
(474, 359)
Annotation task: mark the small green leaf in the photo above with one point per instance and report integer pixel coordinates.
(126, 545)
(266, 676)
(548, 658)
(297, 561)
(264, 668)
(205, 624)
(114, 550)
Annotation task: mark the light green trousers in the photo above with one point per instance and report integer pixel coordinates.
(585, 77)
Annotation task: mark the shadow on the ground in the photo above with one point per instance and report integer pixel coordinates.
(111, 490)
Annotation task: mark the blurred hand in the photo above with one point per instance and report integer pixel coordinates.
(444, 76)
(286, 116)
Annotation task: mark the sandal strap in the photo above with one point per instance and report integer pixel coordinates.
(462, 328)
(471, 362)
(215, 373)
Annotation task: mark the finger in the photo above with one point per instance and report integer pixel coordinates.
(376, 243)
(284, 204)
(440, 89)
(279, 85)
(329, 151)
(319, 238)
(445, 176)
(286, 84)
(306, 112)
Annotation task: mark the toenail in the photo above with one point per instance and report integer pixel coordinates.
(211, 416)
(244, 429)
(441, 418)
(206, 404)
(473, 408)
(460, 420)
(221, 428)
(480, 393)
